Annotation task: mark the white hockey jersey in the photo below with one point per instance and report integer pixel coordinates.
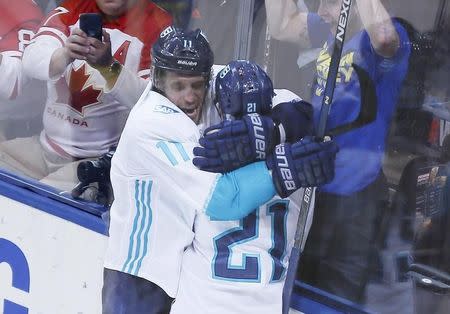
(160, 197)
(238, 267)
(158, 192)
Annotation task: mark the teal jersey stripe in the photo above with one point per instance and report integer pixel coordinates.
(182, 151)
(148, 209)
(142, 208)
(135, 222)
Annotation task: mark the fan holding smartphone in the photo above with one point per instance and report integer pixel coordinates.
(99, 54)
(75, 51)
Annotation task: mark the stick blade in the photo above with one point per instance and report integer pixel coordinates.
(369, 104)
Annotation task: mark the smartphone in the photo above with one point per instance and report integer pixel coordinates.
(91, 24)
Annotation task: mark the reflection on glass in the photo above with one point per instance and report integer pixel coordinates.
(92, 84)
(387, 207)
(403, 58)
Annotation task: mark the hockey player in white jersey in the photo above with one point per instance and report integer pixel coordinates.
(159, 193)
(239, 266)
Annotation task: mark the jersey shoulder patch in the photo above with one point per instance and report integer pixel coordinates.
(165, 109)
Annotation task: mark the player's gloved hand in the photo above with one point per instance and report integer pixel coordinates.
(305, 163)
(233, 144)
(294, 119)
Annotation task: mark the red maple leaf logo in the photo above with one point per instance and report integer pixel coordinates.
(77, 95)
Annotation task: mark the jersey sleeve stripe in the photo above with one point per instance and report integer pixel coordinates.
(127, 267)
(148, 209)
(51, 32)
(140, 223)
(139, 244)
(144, 73)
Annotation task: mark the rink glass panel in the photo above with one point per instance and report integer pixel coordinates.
(413, 226)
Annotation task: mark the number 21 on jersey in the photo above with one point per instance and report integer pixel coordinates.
(250, 268)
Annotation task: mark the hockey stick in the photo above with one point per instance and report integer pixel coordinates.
(367, 114)
(368, 110)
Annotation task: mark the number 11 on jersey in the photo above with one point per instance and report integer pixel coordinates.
(174, 152)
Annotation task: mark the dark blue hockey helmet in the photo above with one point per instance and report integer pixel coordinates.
(182, 51)
(243, 87)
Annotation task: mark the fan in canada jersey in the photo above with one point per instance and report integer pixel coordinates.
(92, 84)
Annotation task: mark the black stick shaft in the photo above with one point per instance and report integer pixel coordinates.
(334, 67)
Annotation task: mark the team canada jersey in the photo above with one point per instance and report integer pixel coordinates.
(19, 20)
(82, 118)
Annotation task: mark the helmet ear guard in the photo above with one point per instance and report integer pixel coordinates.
(243, 87)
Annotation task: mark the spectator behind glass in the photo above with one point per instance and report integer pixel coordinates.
(180, 10)
(92, 85)
(47, 5)
(219, 19)
(336, 256)
(21, 98)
